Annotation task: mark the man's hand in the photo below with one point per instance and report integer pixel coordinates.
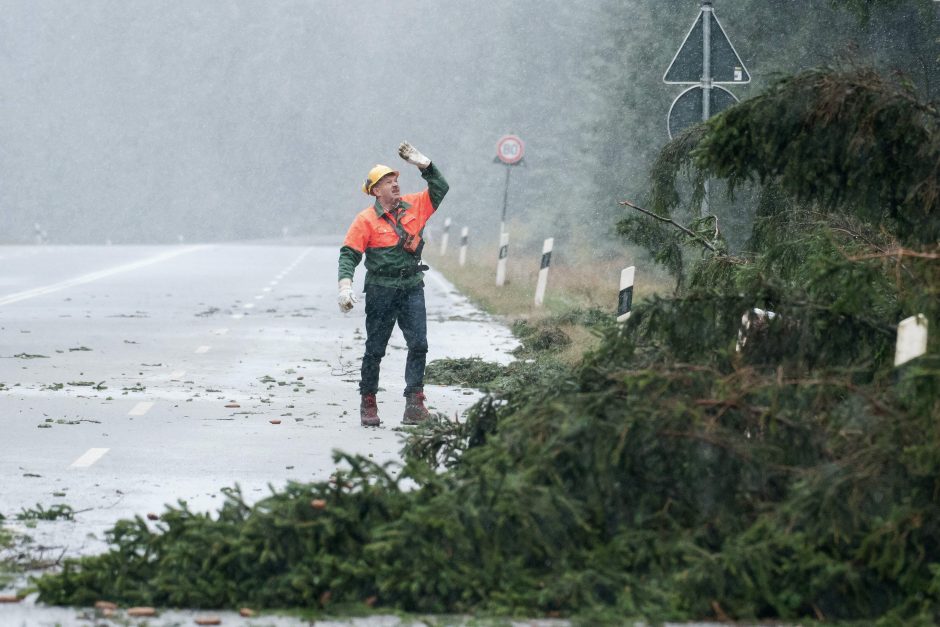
(410, 154)
(346, 298)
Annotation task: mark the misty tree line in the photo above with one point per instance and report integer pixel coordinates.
(142, 121)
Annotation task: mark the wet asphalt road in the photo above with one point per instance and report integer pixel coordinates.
(138, 376)
(117, 364)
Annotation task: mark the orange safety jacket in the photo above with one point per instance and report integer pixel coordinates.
(381, 236)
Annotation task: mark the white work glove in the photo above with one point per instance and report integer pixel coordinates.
(346, 298)
(410, 154)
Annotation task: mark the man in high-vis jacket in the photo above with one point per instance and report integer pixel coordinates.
(389, 234)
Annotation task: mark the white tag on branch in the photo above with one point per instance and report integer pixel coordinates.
(912, 339)
(758, 318)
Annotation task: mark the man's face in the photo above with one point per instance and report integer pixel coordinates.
(387, 190)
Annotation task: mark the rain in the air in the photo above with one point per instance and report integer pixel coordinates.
(388, 313)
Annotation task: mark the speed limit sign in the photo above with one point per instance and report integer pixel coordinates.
(510, 149)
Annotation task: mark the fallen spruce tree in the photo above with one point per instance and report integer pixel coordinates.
(685, 469)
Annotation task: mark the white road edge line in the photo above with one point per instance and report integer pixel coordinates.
(90, 457)
(94, 276)
(140, 408)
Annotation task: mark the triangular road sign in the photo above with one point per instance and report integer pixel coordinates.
(726, 65)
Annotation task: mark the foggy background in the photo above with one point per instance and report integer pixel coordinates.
(145, 120)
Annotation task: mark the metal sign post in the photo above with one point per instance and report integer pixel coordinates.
(502, 218)
(509, 150)
(706, 59)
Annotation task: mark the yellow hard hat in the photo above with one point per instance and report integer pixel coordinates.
(375, 174)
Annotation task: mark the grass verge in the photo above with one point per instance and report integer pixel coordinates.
(581, 294)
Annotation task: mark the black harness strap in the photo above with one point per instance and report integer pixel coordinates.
(402, 236)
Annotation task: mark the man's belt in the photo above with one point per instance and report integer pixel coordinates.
(402, 273)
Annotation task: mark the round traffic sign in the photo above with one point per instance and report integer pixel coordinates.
(686, 109)
(510, 149)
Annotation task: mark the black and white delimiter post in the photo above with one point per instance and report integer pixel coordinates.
(464, 234)
(543, 271)
(912, 339)
(445, 237)
(503, 254)
(625, 299)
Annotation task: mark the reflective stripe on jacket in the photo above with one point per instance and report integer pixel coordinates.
(374, 232)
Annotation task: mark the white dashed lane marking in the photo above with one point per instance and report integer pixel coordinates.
(272, 283)
(90, 457)
(220, 331)
(140, 408)
(177, 374)
(203, 349)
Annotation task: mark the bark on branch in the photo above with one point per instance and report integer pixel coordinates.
(698, 238)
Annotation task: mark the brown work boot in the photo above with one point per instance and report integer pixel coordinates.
(369, 411)
(415, 411)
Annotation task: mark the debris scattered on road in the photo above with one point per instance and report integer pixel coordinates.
(55, 512)
(141, 611)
